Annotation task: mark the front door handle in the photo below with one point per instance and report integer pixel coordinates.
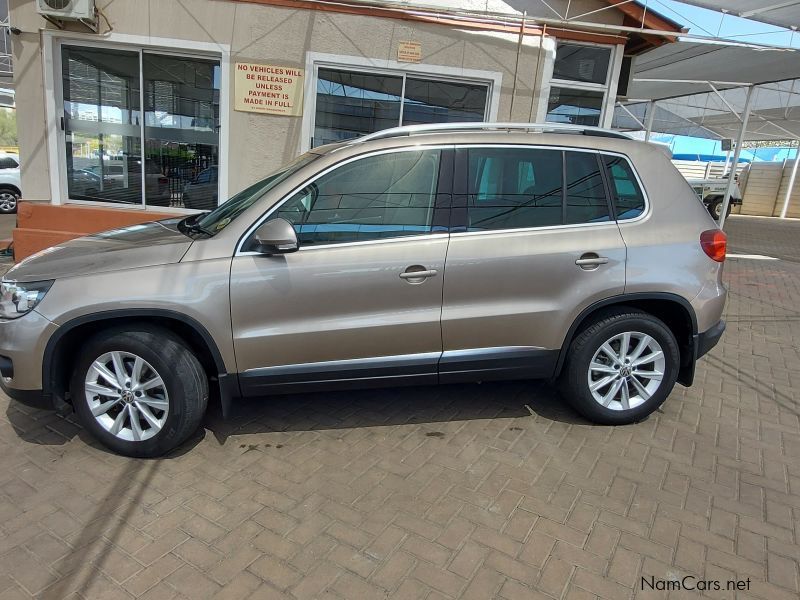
(590, 261)
(418, 273)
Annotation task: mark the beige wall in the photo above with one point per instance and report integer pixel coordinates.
(274, 35)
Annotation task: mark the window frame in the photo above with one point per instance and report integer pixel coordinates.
(441, 201)
(315, 61)
(459, 218)
(569, 84)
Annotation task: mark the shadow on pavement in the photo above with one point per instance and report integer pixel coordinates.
(392, 407)
(334, 410)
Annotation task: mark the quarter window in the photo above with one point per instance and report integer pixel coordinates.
(626, 194)
(382, 196)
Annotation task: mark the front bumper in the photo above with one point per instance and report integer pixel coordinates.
(22, 345)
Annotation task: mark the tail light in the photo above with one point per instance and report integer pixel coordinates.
(163, 181)
(714, 243)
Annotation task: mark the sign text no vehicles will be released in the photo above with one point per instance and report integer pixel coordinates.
(269, 89)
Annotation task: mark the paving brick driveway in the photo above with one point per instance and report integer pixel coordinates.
(486, 491)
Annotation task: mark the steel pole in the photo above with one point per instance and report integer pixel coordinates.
(788, 197)
(726, 199)
(651, 113)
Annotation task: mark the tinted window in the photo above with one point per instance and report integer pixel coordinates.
(628, 197)
(388, 195)
(575, 62)
(586, 194)
(8, 163)
(514, 188)
(579, 107)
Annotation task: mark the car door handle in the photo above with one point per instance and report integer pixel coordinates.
(590, 261)
(600, 260)
(419, 274)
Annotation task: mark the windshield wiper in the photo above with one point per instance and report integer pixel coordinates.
(190, 224)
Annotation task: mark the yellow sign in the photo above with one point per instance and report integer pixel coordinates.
(409, 52)
(269, 89)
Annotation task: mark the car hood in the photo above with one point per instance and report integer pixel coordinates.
(136, 246)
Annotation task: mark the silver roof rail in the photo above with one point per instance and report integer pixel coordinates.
(444, 127)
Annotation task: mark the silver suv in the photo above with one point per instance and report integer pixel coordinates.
(418, 255)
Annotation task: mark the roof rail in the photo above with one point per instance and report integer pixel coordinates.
(444, 127)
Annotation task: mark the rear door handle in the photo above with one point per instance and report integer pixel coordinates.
(418, 274)
(600, 260)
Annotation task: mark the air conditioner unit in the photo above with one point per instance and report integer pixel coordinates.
(66, 10)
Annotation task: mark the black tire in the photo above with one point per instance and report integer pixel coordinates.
(715, 208)
(574, 379)
(184, 379)
(9, 199)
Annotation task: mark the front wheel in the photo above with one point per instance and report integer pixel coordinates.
(621, 368)
(139, 392)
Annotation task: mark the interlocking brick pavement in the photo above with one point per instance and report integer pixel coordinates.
(473, 491)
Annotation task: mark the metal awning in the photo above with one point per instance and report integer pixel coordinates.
(702, 88)
(783, 13)
(715, 90)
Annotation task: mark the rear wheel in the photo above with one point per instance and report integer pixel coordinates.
(621, 368)
(715, 208)
(140, 392)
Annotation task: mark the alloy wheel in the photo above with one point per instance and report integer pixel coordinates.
(126, 396)
(8, 201)
(626, 370)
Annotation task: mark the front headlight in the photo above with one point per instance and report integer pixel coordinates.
(17, 299)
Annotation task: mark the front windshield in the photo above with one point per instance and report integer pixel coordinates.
(221, 216)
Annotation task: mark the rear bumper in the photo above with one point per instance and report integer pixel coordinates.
(706, 340)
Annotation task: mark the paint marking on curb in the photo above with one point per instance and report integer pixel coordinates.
(752, 256)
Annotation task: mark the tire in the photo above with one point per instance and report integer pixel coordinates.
(9, 197)
(176, 407)
(586, 349)
(715, 208)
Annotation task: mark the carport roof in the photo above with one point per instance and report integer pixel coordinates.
(783, 13)
(701, 90)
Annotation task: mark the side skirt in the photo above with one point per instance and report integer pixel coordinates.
(456, 366)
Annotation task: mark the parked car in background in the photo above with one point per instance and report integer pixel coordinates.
(416, 255)
(201, 192)
(712, 192)
(10, 187)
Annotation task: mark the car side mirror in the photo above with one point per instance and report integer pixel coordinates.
(276, 236)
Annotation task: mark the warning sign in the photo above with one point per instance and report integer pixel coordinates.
(269, 89)
(409, 52)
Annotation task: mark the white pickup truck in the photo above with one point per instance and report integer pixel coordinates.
(711, 193)
(10, 189)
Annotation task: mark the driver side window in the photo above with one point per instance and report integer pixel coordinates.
(377, 197)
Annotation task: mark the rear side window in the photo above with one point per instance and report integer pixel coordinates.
(626, 194)
(586, 200)
(6, 162)
(513, 188)
(518, 188)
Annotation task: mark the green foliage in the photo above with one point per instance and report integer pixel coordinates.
(8, 127)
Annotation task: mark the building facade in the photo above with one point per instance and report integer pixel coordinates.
(177, 104)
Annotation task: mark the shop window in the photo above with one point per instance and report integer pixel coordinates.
(115, 152)
(579, 84)
(354, 103)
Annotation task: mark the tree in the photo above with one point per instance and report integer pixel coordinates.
(8, 127)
